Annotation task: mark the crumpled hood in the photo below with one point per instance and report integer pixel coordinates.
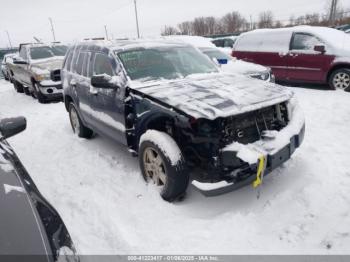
(48, 63)
(215, 95)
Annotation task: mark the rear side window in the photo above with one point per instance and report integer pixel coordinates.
(86, 64)
(23, 53)
(102, 65)
(80, 63)
(303, 41)
(68, 61)
(264, 41)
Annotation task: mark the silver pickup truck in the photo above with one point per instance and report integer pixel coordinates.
(36, 70)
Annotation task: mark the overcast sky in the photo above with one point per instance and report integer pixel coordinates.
(77, 19)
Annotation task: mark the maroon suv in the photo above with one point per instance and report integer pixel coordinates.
(302, 54)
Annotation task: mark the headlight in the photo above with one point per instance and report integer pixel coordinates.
(262, 76)
(40, 74)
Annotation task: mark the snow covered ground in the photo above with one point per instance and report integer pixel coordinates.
(96, 186)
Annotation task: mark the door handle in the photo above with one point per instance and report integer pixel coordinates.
(93, 91)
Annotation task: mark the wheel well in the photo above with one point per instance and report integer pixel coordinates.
(67, 101)
(160, 123)
(336, 67)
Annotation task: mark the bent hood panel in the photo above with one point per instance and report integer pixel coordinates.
(215, 95)
(49, 63)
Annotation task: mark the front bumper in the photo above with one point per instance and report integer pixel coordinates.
(51, 89)
(276, 147)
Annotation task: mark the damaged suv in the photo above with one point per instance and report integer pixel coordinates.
(171, 107)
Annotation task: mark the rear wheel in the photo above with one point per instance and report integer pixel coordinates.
(77, 126)
(162, 163)
(18, 86)
(340, 79)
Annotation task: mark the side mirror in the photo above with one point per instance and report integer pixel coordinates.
(12, 126)
(320, 48)
(20, 62)
(103, 81)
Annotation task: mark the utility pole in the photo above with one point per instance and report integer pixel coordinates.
(52, 29)
(251, 22)
(137, 20)
(8, 37)
(106, 32)
(333, 12)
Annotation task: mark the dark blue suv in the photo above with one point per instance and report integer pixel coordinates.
(174, 109)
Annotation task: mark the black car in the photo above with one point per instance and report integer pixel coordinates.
(31, 229)
(168, 103)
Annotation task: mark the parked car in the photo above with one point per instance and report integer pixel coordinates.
(30, 227)
(302, 54)
(4, 70)
(37, 70)
(171, 106)
(224, 42)
(225, 61)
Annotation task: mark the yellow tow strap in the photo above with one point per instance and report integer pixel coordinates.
(260, 172)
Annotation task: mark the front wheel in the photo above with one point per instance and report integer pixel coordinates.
(340, 79)
(18, 87)
(37, 94)
(77, 126)
(161, 161)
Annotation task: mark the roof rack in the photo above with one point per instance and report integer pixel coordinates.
(94, 38)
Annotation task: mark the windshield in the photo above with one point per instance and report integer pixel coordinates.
(59, 50)
(216, 54)
(42, 52)
(165, 63)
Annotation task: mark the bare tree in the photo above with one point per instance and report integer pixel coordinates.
(199, 26)
(233, 22)
(185, 28)
(210, 23)
(169, 30)
(312, 19)
(278, 24)
(265, 19)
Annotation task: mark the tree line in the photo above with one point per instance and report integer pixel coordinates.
(235, 22)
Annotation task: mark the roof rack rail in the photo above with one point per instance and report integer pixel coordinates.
(94, 38)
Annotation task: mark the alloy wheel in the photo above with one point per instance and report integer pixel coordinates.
(154, 166)
(341, 80)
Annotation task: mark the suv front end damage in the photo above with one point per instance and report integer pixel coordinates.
(265, 138)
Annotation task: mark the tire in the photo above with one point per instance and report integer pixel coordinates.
(37, 94)
(76, 124)
(26, 91)
(171, 175)
(18, 87)
(340, 79)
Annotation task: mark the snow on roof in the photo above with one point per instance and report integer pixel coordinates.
(337, 40)
(133, 43)
(197, 41)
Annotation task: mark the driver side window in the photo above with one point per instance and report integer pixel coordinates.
(303, 41)
(102, 65)
(23, 54)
